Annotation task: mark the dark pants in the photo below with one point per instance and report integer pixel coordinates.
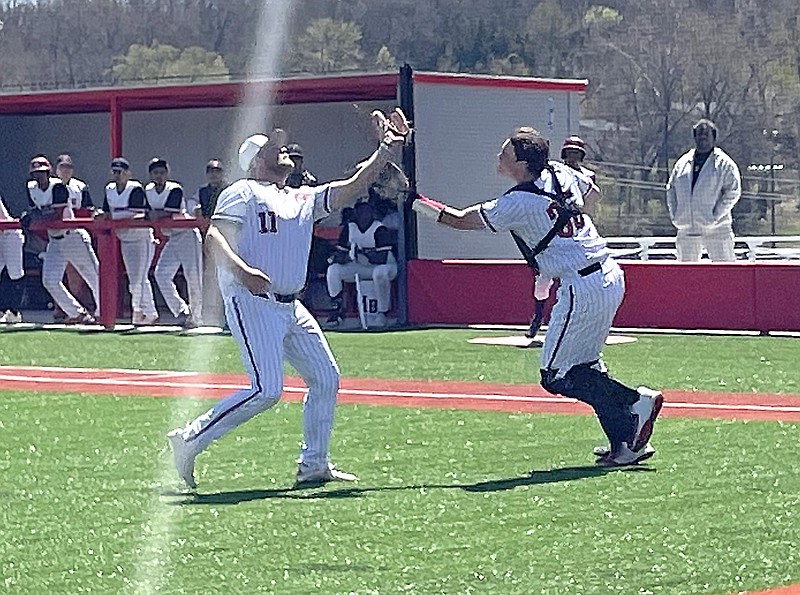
(610, 399)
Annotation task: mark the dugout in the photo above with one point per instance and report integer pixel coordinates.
(460, 121)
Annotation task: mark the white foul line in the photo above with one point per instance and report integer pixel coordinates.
(197, 386)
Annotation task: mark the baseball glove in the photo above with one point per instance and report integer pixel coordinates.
(394, 128)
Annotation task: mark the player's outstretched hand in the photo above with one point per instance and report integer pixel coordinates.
(394, 129)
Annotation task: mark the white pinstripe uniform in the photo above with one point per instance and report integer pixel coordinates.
(381, 274)
(183, 249)
(71, 246)
(587, 301)
(11, 243)
(136, 244)
(585, 179)
(274, 236)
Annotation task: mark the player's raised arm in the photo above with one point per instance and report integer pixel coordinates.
(467, 219)
(395, 131)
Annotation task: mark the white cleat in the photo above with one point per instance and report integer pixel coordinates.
(10, 317)
(624, 456)
(319, 476)
(645, 412)
(182, 457)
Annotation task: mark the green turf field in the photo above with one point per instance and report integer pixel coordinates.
(447, 502)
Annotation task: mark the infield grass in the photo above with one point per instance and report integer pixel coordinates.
(447, 503)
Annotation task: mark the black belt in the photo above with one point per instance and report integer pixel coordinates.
(285, 298)
(592, 268)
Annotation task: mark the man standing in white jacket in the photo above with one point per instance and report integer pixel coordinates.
(702, 190)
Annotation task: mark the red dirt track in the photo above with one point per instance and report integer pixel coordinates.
(402, 393)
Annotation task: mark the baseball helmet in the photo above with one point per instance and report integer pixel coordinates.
(574, 142)
(40, 163)
(294, 150)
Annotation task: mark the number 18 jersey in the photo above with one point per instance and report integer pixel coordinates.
(274, 230)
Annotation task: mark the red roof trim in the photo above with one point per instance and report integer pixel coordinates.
(477, 80)
(358, 87)
(364, 87)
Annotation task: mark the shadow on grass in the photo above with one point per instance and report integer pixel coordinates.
(352, 491)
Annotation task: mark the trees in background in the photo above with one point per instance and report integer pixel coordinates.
(143, 65)
(653, 67)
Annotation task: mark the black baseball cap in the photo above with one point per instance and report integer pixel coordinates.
(214, 164)
(157, 162)
(120, 163)
(294, 150)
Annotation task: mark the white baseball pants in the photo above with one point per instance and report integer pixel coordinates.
(541, 287)
(267, 332)
(718, 242)
(137, 256)
(11, 243)
(75, 248)
(582, 317)
(183, 249)
(381, 274)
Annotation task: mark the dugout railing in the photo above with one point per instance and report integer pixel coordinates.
(750, 248)
(108, 250)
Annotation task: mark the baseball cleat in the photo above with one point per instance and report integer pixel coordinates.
(149, 319)
(645, 412)
(624, 456)
(312, 477)
(83, 317)
(533, 329)
(182, 457)
(11, 317)
(601, 451)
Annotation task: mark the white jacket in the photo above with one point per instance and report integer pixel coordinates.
(716, 191)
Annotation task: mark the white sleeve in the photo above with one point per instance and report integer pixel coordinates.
(502, 213)
(518, 211)
(584, 183)
(4, 214)
(322, 200)
(575, 188)
(232, 203)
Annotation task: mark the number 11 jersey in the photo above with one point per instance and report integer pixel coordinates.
(274, 229)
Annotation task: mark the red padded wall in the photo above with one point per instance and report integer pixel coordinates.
(733, 296)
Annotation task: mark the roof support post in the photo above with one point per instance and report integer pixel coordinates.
(115, 126)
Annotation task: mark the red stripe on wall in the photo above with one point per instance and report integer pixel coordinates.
(509, 82)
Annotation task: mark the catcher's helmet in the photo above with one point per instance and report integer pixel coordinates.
(574, 142)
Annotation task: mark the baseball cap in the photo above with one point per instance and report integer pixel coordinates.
(254, 143)
(214, 164)
(574, 142)
(157, 162)
(64, 159)
(120, 163)
(40, 163)
(250, 148)
(294, 150)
